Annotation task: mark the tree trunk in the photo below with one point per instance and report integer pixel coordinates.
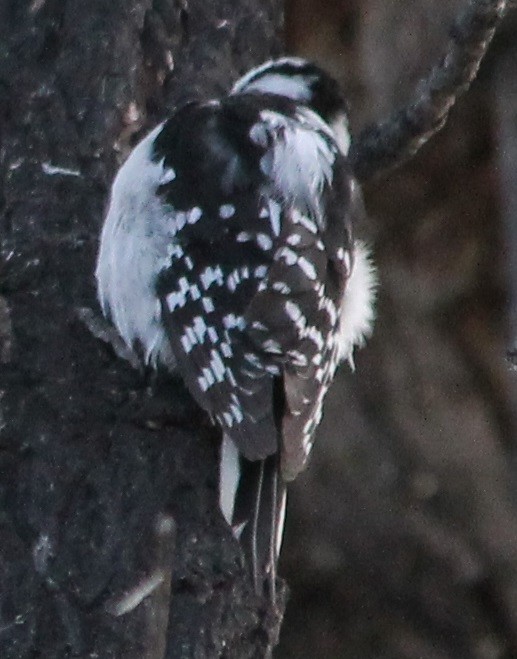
(111, 543)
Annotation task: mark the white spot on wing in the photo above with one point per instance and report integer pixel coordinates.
(229, 373)
(316, 336)
(228, 419)
(231, 321)
(174, 250)
(200, 328)
(175, 299)
(237, 413)
(274, 216)
(328, 305)
(299, 359)
(307, 223)
(271, 346)
(288, 255)
(281, 287)
(293, 311)
(217, 366)
(264, 241)
(307, 267)
(209, 377)
(233, 280)
(195, 293)
(226, 211)
(186, 343)
(252, 358)
(210, 276)
(178, 221)
(225, 349)
(191, 335)
(208, 305)
(168, 174)
(194, 214)
(202, 383)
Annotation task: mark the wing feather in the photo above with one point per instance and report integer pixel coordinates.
(257, 301)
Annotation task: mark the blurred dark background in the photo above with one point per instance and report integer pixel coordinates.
(401, 537)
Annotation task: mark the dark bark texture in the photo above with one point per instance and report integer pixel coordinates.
(401, 538)
(111, 544)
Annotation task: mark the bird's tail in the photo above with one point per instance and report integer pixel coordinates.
(253, 498)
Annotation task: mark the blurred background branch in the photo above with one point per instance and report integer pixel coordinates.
(402, 536)
(506, 116)
(388, 144)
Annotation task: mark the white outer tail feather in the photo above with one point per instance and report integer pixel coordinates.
(229, 476)
(357, 316)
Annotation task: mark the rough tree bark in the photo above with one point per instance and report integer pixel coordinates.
(110, 541)
(111, 544)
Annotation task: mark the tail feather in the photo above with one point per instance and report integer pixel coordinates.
(229, 476)
(256, 512)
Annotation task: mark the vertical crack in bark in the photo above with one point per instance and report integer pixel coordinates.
(6, 332)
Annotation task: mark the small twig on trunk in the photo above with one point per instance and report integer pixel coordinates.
(103, 330)
(385, 145)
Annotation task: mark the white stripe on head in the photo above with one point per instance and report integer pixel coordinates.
(268, 68)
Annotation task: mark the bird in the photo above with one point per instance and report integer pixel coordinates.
(228, 255)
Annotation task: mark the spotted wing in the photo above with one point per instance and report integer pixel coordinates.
(250, 298)
(301, 307)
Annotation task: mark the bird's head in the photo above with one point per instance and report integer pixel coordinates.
(305, 83)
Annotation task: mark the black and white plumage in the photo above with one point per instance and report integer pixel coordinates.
(228, 254)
